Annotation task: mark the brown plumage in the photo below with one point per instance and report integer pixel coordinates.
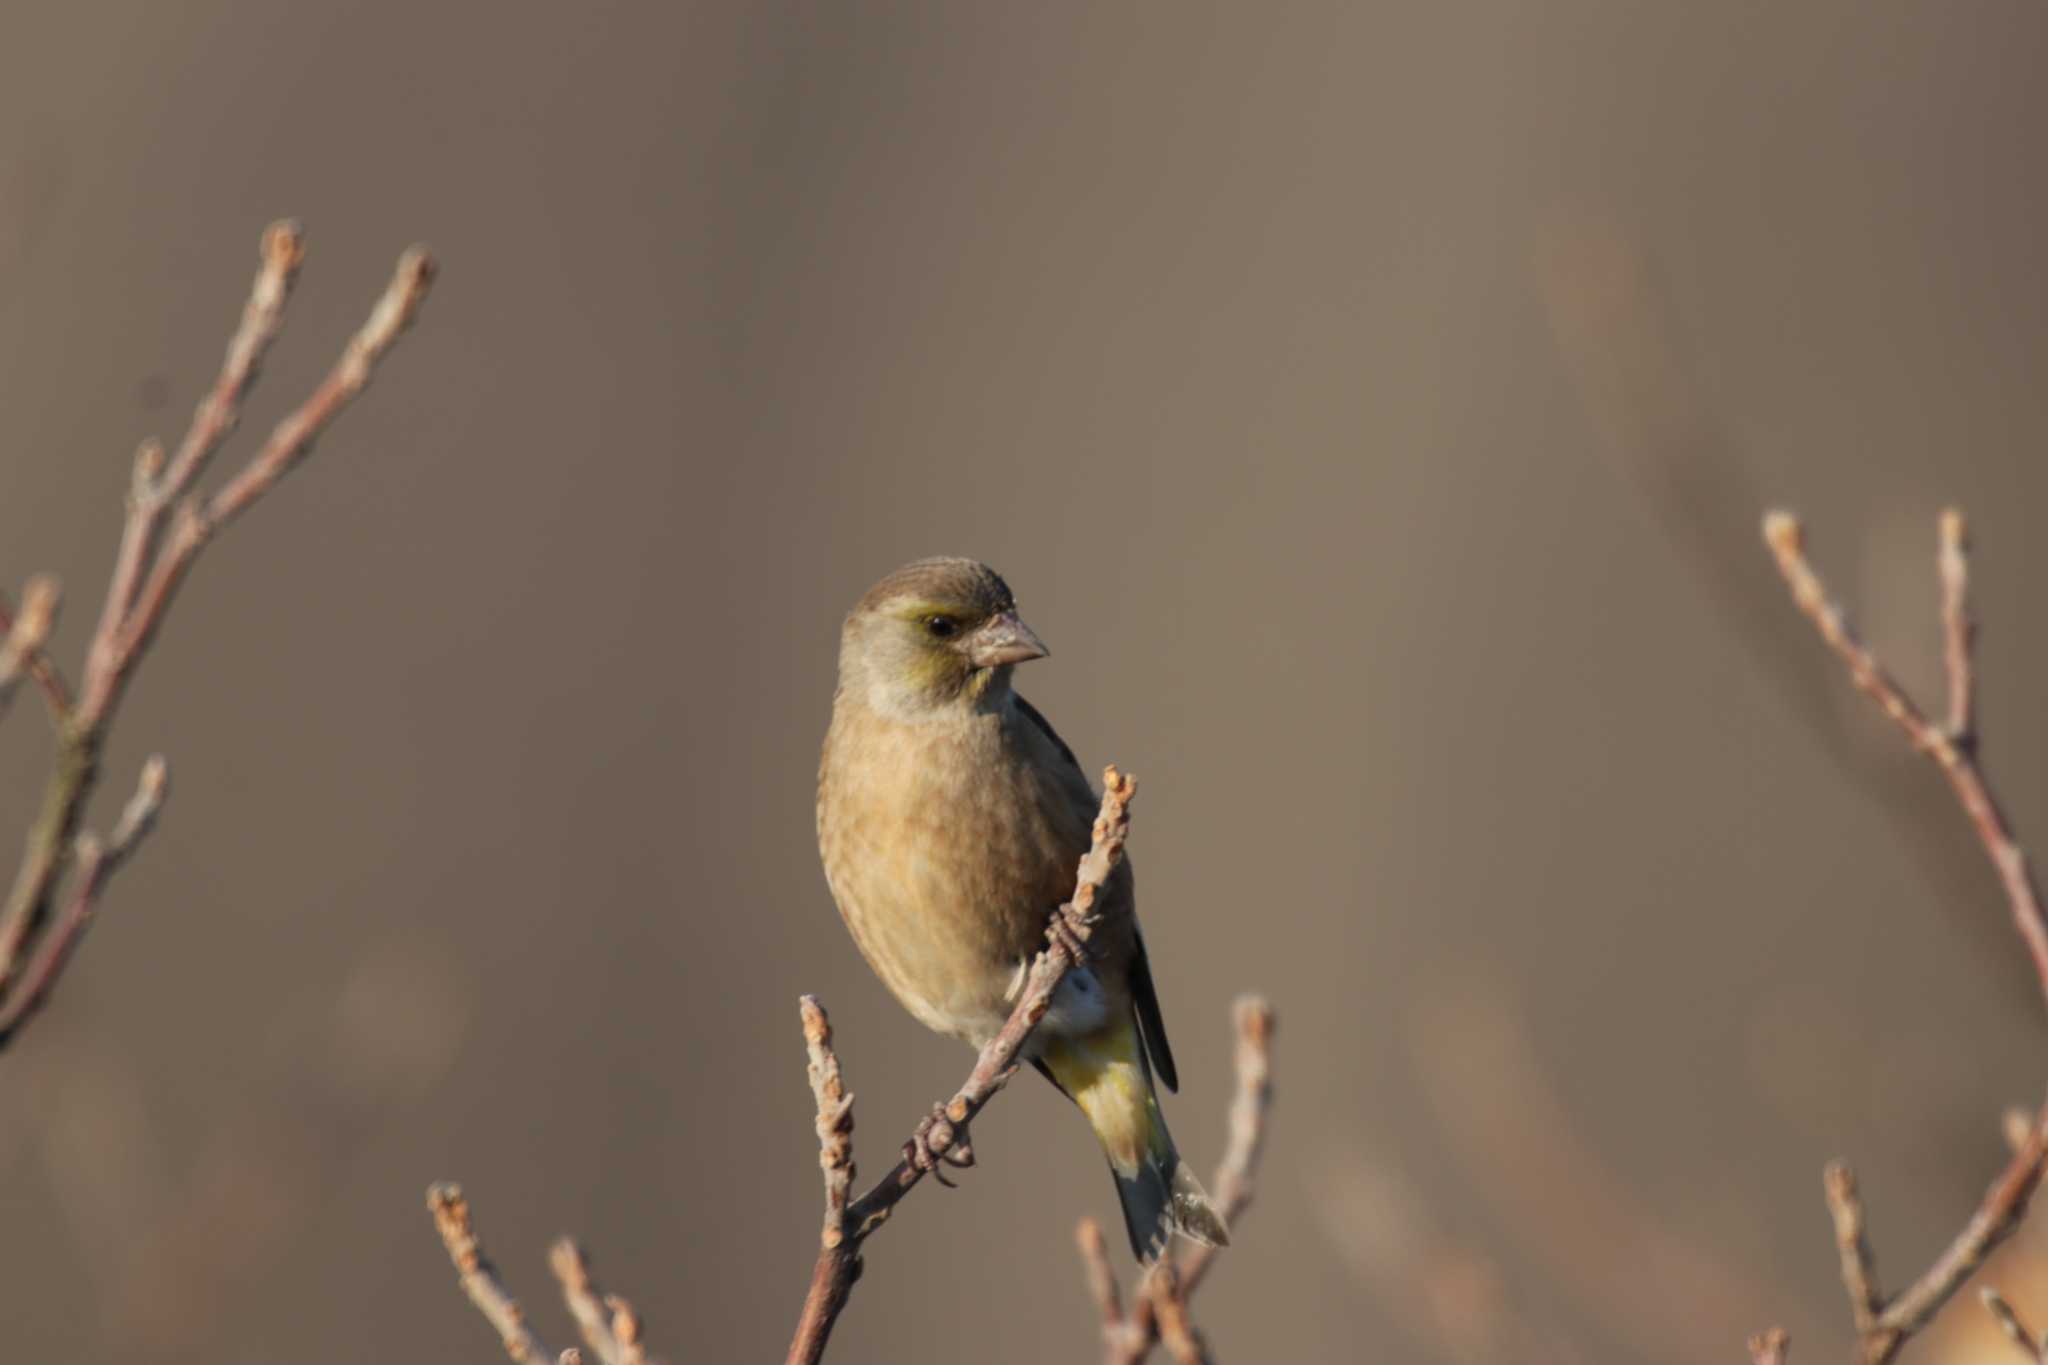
(950, 819)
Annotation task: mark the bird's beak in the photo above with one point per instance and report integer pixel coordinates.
(1004, 640)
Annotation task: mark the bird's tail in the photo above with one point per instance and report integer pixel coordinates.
(1105, 1074)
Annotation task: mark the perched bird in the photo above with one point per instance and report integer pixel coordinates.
(950, 820)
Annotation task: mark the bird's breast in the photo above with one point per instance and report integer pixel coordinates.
(946, 852)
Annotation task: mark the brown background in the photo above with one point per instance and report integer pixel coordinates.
(1372, 406)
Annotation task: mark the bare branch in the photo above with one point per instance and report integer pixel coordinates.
(1768, 1347)
(1957, 629)
(1859, 1277)
(1882, 1328)
(97, 864)
(626, 1331)
(2034, 1348)
(1996, 1219)
(609, 1324)
(282, 251)
(838, 1263)
(21, 650)
(154, 488)
(1787, 541)
(1101, 1274)
(479, 1278)
(835, 1118)
(291, 440)
(1170, 1308)
(1247, 1137)
(146, 576)
(585, 1300)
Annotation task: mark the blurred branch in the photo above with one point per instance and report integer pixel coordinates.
(609, 1325)
(1768, 1348)
(479, 1277)
(1883, 1326)
(1859, 1274)
(97, 863)
(2033, 1348)
(942, 1136)
(21, 649)
(1953, 752)
(1159, 1313)
(589, 1305)
(147, 574)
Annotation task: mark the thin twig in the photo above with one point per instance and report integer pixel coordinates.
(585, 1300)
(1787, 541)
(2034, 1348)
(626, 1331)
(1859, 1277)
(281, 253)
(1997, 1217)
(1168, 1297)
(1883, 1327)
(1769, 1347)
(21, 651)
(479, 1278)
(1952, 562)
(609, 1324)
(145, 579)
(835, 1118)
(1121, 1338)
(97, 863)
(838, 1264)
(289, 442)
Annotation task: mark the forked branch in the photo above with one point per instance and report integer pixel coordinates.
(148, 568)
(1883, 1325)
(610, 1326)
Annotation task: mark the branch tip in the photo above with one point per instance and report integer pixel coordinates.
(283, 246)
(40, 598)
(1784, 532)
(1769, 1347)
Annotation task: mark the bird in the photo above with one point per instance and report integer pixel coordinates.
(951, 819)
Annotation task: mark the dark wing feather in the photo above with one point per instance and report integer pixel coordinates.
(1045, 728)
(1143, 994)
(1150, 1022)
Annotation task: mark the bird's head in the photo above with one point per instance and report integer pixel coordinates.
(934, 633)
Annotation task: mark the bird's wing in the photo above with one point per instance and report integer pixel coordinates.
(1143, 994)
(1150, 1023)
(1031, 714)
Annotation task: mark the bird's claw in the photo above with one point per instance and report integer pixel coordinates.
(1070, 929)
(939, 1142)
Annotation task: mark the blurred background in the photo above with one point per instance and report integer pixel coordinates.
(1372, 406)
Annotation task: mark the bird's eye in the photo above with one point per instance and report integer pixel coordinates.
(941, 627)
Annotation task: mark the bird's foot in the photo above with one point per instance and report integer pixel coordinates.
(939, 1142)
(1070, 929)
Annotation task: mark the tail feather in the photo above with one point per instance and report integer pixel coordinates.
(1163, 1197)
(1105, 1074)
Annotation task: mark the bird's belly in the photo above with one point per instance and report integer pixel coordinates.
(948, 890)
